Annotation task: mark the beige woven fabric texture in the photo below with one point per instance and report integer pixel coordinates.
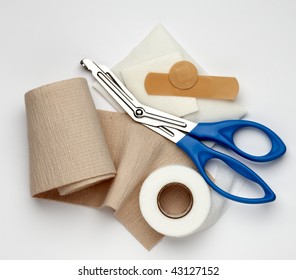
(66, 144)
(74, 151)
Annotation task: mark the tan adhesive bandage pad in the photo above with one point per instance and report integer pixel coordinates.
(67, 149)
(183, 80)
(183, 75)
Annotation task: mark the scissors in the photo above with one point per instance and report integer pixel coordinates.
(187, 135)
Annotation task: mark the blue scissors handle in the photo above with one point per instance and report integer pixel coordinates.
(201, 154)
(223, 133)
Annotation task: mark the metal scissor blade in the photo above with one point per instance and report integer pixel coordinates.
(106, 79)
(172, 134)
(137, 111)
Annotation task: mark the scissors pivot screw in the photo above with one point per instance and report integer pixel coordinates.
(139, 112)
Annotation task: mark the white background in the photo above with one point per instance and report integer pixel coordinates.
(43, 42)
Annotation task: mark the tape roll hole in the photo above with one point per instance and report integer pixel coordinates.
(175, 200)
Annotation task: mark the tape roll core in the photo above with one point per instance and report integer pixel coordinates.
(175, 200)
(168, 204)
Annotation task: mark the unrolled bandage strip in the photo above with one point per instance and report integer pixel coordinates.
(183, 80)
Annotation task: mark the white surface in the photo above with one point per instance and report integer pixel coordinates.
(43, 41)
(182, 226)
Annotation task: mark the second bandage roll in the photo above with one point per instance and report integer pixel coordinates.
(175, 200)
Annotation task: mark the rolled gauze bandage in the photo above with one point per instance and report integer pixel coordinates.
(175, 200)
(67, 147)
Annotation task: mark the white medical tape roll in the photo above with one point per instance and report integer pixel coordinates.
(177, 184)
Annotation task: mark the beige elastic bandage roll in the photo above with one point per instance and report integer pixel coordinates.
(67, 148)
(75, 151)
